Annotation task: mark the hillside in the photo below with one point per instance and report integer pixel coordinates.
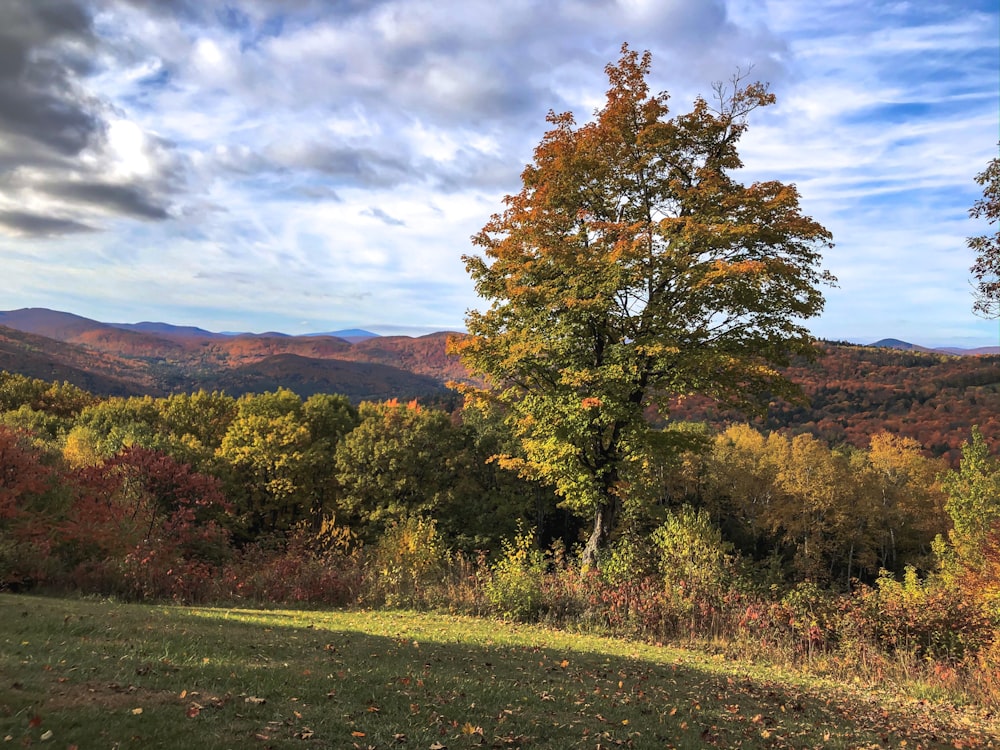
(359, 381)
(158, 359)
(854, 392)
(100, 373)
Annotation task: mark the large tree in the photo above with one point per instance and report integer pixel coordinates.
(631, 268)
(986, 268)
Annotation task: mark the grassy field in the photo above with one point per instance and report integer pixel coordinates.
(92, 674)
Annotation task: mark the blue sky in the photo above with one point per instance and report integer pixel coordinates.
(312, 165)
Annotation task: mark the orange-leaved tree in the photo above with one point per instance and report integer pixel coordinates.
(632, 267)
(986, 268)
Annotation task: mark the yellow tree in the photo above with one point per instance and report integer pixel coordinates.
(906, 499)
(631, 267)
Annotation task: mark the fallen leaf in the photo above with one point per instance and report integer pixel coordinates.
(254, 700)
(36, 721)
(46, 735)
(136, 711)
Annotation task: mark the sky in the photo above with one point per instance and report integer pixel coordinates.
(316, 165)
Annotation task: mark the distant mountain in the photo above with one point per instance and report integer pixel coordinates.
(159, 358)
(49, 323)
(166, 328)
(54, 361)
(354, 335)
(902, 345)
(953, 350)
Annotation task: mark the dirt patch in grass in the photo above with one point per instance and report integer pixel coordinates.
(110, 697)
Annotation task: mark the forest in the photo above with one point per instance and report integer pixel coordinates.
(768, 541)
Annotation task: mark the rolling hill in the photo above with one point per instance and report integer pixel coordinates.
(159, 359)
(852, 391)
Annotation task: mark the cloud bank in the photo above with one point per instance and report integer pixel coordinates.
(308, 165)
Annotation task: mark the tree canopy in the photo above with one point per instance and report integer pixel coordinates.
(986, 269)
(633, 267)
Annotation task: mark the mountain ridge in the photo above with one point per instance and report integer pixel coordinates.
(159, 358)
(953, 350)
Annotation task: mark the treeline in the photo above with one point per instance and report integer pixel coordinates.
(259, 466)
(769, 540)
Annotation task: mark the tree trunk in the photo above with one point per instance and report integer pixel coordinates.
(605, 518)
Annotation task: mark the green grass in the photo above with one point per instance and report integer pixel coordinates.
(95, 674)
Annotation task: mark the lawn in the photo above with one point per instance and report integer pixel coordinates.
(97, 674)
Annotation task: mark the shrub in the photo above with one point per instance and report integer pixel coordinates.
(697, 569)
(515, 586)
(309, 567)
(925, 618)
(407, 564)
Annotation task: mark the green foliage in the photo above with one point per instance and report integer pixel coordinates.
(973, 499)
(631, 557)
(399, 461)
(515, 586)
(117, 423)
(196, 424)
(405, 460)
(42, 425)
(691, 553)
(696, 567)
(329, 417)
(57, 399)
(632, 267)
(277, 454)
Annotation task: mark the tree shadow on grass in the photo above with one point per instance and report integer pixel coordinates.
(212, 678)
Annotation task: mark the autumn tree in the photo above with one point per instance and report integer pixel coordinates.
(973, 499)
(633, 267)
(986, 269)
(278, 457)
(404, 461)
(905, 500)
(116, 423)
(26, 482)
(196, 424)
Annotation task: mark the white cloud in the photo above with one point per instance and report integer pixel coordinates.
(261, 162)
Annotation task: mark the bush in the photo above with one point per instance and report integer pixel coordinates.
(310, 567)
(408, 564)
(697, 569)
(515, 586)
(925, 618)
